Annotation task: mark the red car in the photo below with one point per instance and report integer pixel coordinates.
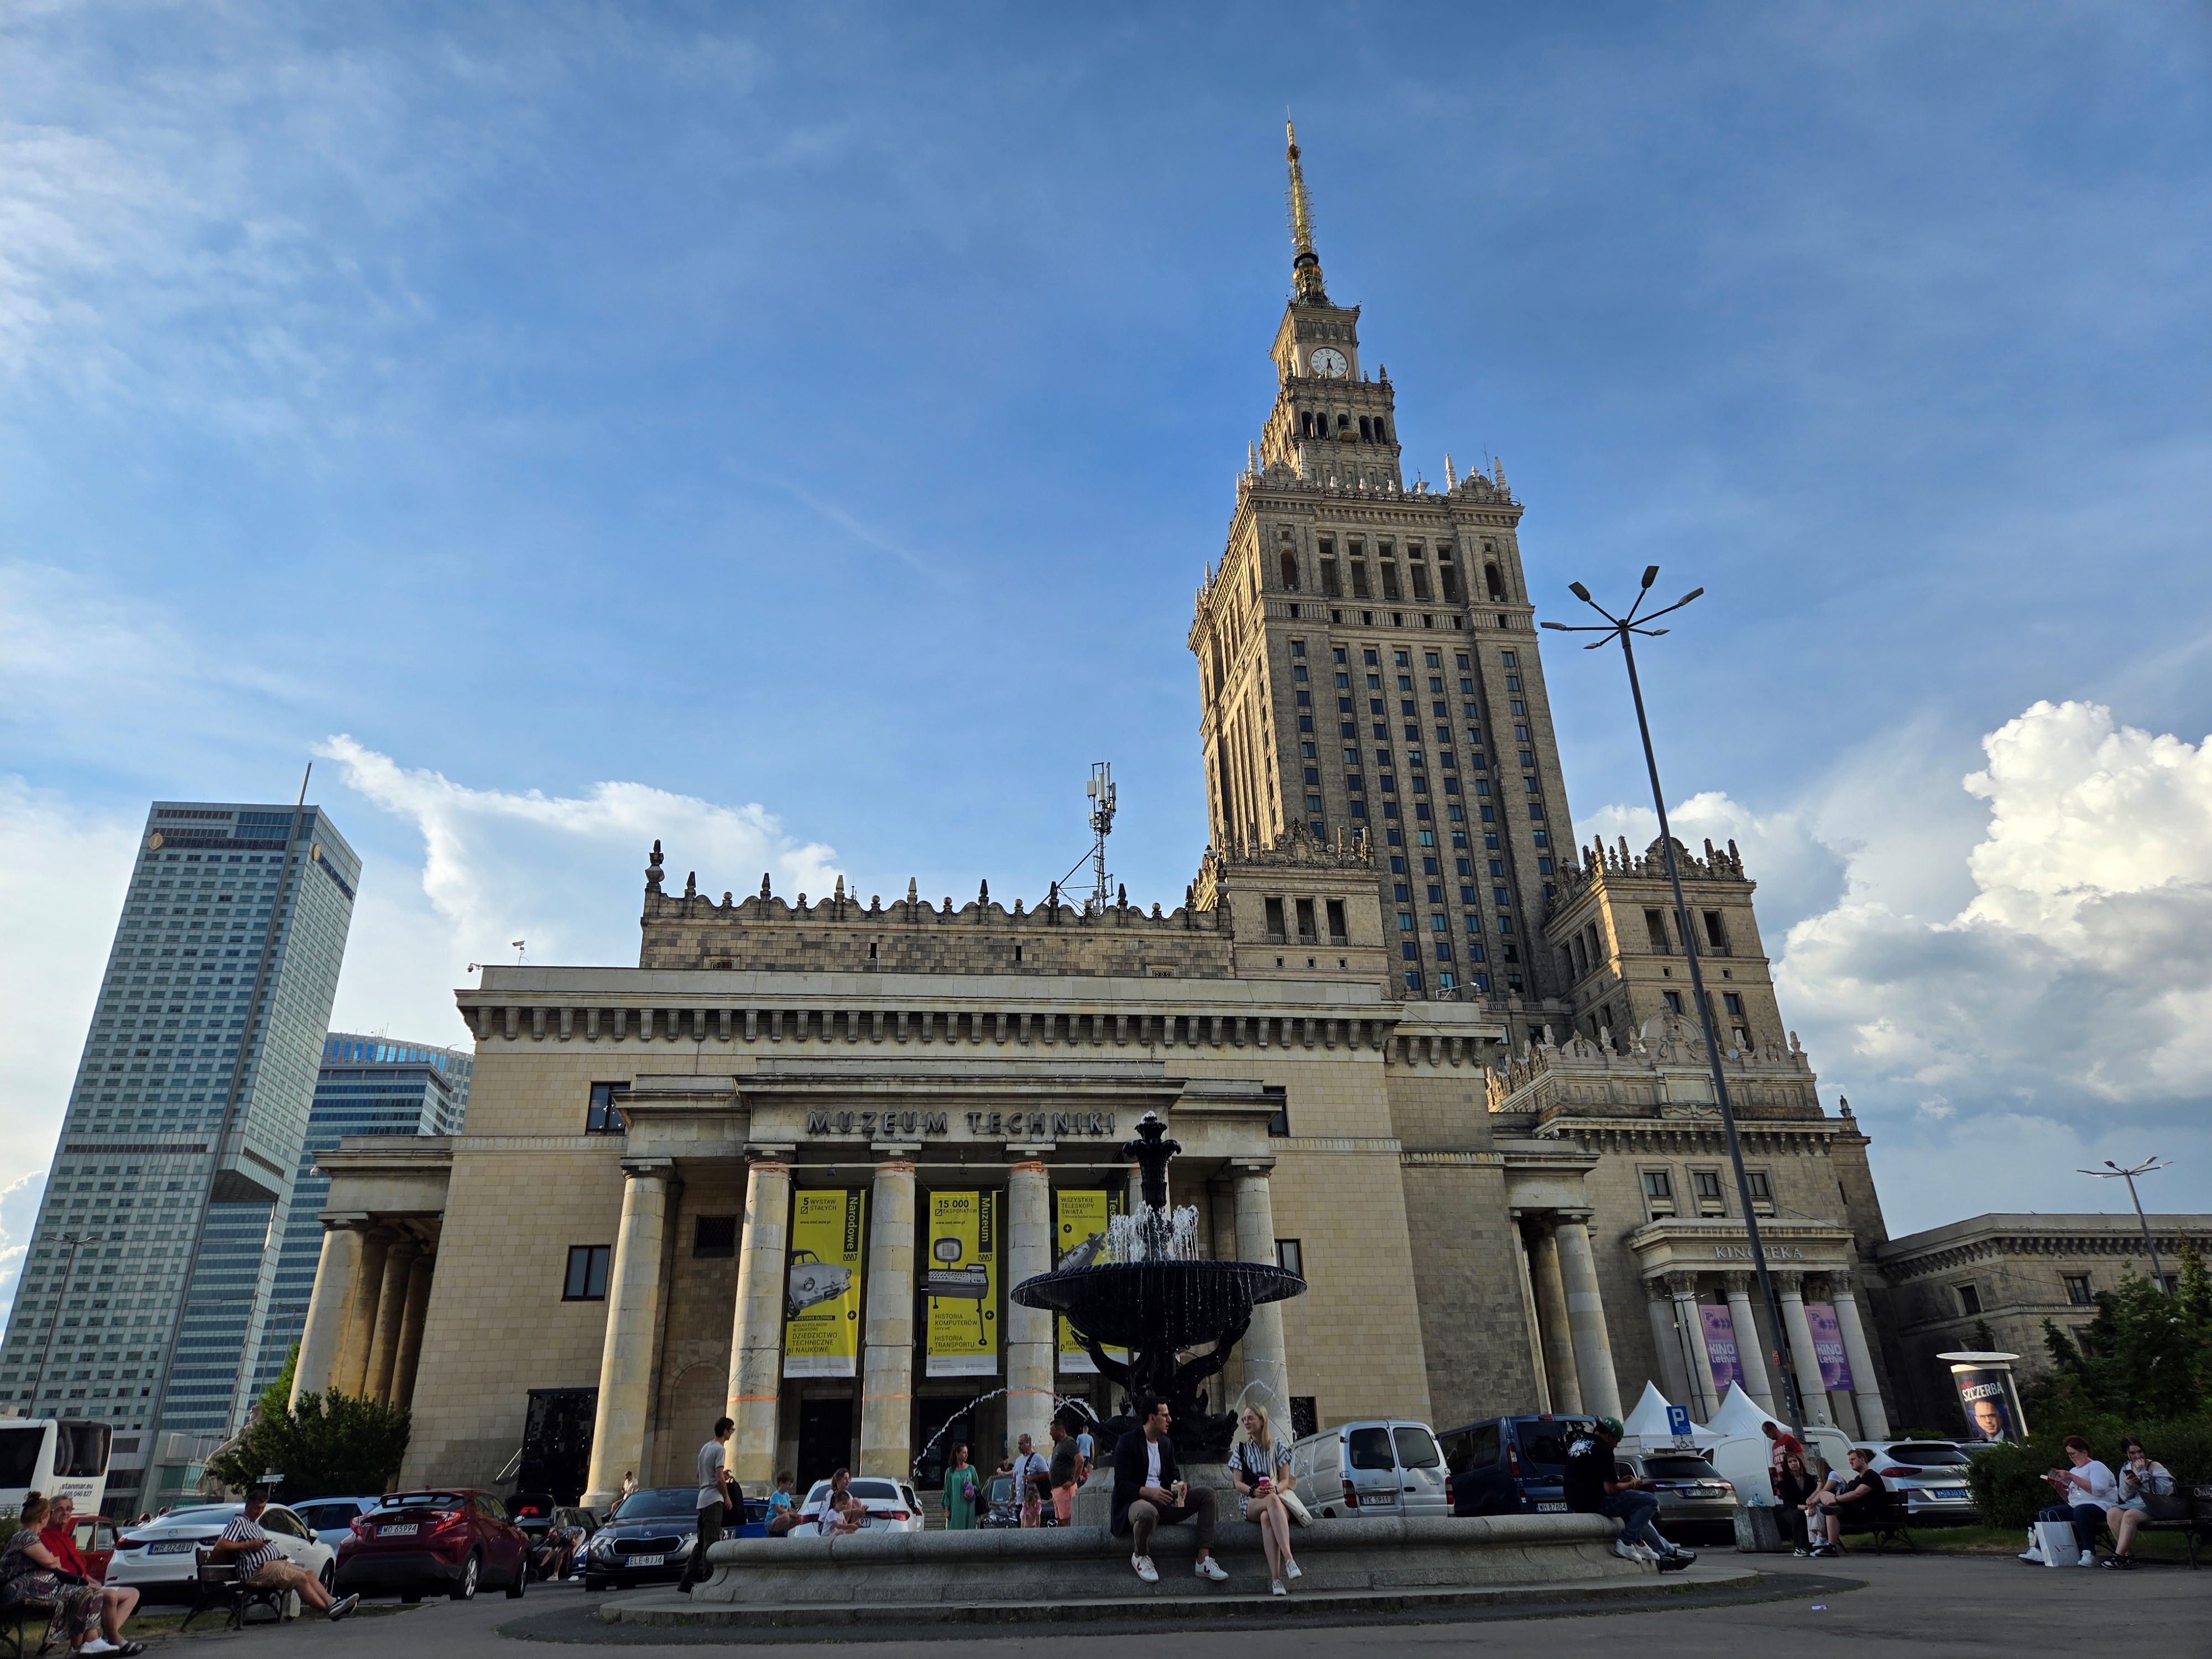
(450, 1540)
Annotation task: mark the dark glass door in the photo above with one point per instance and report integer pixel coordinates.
(825, 1439)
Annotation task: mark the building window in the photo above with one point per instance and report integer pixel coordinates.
(1733, 1003)
(1290, 1256)
(1673, 1001)
(1969, 1300)
(587, 1273)
(1762, 1195)
(1279, 1124)
(1658, 1193)
(604, 1115)
(715, 1235)
(1306, 1416)
(2077, 1289)
(1716, 935)
(1707, 1183)
(1655, 929)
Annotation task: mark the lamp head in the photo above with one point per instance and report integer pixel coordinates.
(1579, 591)
(1650, 574)
(1695, 592)
(1562, 627)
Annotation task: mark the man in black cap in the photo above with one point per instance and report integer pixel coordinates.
(1593, 1488)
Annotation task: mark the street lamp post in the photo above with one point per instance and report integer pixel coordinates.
(2149, 1166)
(76, 1241)
(1623, 628)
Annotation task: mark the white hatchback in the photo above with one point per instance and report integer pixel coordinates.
(891, 1505)
(157, 1559)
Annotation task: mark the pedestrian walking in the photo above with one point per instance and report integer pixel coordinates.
(1065, 1476)
(964, 1487)
(1032, 1480)
(720, 1495)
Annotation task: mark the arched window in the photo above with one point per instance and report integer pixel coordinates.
(1366, 433)
(1493, 581)
(1290, 571)
(1382, 432)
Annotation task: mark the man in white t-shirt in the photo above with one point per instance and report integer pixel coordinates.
(719, 1495)
(1150, 1491)
(1032, 1480)
(2085, 1492)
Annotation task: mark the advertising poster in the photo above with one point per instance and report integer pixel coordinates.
(1985, 1397)
(821, 1282)
(1080, 1241)
(1720, 1347)
(960, 1277)
(1828, 1346)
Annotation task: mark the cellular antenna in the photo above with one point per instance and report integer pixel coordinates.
(1100, 789)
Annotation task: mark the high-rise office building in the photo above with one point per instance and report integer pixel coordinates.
(149, 1275)
(370, 1086)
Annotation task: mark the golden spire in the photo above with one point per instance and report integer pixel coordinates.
(1305, 265)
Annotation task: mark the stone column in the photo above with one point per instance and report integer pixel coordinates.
(1267, 1366)
(1537, 1367)
(410, 1328)
(1750, 1351)
(757, 1329)
(1788, 1291)
(1866, 1390)
(352, 1368)
(390, 1309)
(1600, 1389)
(1552, 1317)
(633, 1329)
(887, 1365)
(1029, 1330)
(1673, 1375)
(1698, 1358)
(323, 1335)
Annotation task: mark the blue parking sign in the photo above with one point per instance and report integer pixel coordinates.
(1678, 1422)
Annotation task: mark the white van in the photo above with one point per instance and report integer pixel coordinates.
(1377, 1465)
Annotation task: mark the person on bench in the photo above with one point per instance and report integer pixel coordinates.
(262, 1565)
(60, 1535)
(1860, 1498)
(32, 1579)
(2143, 1484)
(1150, 1491)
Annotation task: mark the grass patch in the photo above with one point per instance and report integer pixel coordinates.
(2010, 1540)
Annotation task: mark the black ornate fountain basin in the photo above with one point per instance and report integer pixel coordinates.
(1153, 1305)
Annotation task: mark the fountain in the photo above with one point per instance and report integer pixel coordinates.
(1161, 1302)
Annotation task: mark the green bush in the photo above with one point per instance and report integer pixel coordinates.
(2007, 1480)
(333, 1444)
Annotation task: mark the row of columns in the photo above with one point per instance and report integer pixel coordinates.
(888, 1333)
(1678, 1332)
(363, 1332)
(1571, 1345)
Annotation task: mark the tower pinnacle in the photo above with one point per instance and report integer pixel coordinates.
(1305, 265)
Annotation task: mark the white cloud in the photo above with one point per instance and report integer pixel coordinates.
(2053, 1015)
(565, 873)
(19, 1214)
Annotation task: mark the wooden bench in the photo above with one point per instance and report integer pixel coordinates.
(221, 1585)
(2196, 1524)
(1884, 1521)
(13, 1620)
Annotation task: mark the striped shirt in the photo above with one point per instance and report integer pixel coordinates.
(243, 1531)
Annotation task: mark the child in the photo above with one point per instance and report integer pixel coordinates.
(782, 1506)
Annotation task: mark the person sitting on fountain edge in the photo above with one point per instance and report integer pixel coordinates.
(1593, 1488)
(1149, 1491)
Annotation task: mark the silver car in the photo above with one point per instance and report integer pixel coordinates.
(1929, 1476)
(1696, 1504)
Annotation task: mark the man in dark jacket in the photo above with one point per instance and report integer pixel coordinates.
(1149, 1491)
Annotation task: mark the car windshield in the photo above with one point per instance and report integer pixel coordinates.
(1679, 1469)
(1417, 1449)
(1930, 1452)
(217, 1517)
(661, 1504)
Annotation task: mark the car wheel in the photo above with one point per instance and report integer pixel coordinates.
(329, 1574)
(521, 1581)
(465, 1587)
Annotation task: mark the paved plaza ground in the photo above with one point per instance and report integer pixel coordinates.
(1900, 1607)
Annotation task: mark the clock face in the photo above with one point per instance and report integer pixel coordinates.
(1329, 361)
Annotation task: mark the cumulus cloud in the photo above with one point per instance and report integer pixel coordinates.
(562, 873)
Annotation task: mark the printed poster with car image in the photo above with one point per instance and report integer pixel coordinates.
(821, 1282)
(960, 1277)
(1080, 1241)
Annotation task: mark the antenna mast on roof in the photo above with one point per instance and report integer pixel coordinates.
(1101, 791)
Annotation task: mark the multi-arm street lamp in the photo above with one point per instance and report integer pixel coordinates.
(2149, 1166)
(1624, 628)
(76, 1241)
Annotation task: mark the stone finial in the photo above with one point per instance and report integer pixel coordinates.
(1190, 896)
(652, 871)
(875, 904)
(913, 892)
(764, 892)
(725, 898)
(983, 893)
(948, 905)
(691, 885)
(1451, 477)
(1122, 896)
(1843, 1105)
(838, 891)
(1017, 907)
(802, 904)
(1155, 910)
(1499, 462)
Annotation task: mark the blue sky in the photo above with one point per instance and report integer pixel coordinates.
(798, 435)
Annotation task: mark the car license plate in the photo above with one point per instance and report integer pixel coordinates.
(406, 1529)
(646, 1561)
(176, 1549)
(1551, 1509)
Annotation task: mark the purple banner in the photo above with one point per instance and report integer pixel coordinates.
(1828, 1346)
(1720, 1347)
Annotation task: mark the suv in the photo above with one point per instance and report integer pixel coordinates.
(1695, 1503)
(1927, 1477)
(1510, 1465)
(451, 1539)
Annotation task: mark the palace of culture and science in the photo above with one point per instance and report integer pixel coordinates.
(1416, 1042)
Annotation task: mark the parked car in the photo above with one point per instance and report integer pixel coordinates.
(532, 1511)
(1510, 1465)
(1929, 1476)
(1696, 1505)
(94, 1538)
(648, 1537)
(1372, 1468)
(450, 1540)
(157, 1559)
(890, 1504)
(331, 1519)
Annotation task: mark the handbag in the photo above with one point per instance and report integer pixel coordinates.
(1300, 1515)
(2056, 1539)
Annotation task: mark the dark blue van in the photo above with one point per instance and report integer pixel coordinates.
(1510, 1465)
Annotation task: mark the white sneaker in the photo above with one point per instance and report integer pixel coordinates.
(1210, 1568)
(1277, 1589)
(100, 1644)
(1626, 1550)
(2031, 1554)
(1291, 1569)
(2089, 1559)
(1145, 1570)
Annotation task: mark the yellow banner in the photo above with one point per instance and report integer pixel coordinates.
(960, 1276)
(821, 1282)
(1080, 1241)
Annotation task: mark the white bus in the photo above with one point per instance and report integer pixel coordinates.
(53, 1456)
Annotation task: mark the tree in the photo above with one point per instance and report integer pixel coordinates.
(326, 1444)
(2146, 1354)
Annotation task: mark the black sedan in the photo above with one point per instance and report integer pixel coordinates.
(649, 1536)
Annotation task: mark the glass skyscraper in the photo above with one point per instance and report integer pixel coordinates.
(149, 1276)
(369, 1085)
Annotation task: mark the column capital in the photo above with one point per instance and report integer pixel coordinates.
(1030, 1152)
(1841, 1290)
(761, 1153)
(1023, 1160)
(893, 1152)
(1252, 1166)
(1574, 1217)
(1682, 1284)
(1739, 1285)
(894, 1160)
(649, 1169)
(1791, 1285)
(1656, 1291)
(350, 1220)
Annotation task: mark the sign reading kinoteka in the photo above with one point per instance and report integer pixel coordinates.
(980, 1126)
